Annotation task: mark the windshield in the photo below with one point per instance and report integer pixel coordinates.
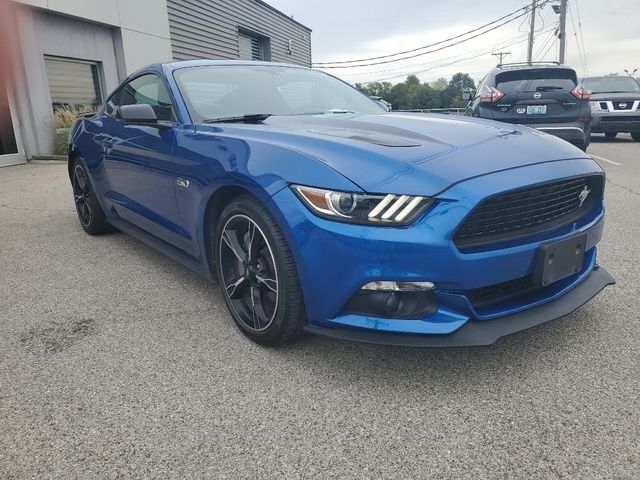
(213, 92)
(611, 85)
(538, 80)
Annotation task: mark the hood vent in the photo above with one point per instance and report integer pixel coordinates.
(375, 138)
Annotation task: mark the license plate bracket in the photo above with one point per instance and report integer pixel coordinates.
(559, 260)
(536, 109)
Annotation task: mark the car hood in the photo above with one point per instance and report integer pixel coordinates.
(615, 96)
(406, 153)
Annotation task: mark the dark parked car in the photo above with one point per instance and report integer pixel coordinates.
(545, 96)
(615, 105)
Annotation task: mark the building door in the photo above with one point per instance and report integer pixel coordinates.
(10, 144)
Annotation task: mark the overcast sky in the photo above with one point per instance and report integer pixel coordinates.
(353, 29)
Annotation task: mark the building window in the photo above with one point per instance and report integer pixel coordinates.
(73, 84)
(253, 47)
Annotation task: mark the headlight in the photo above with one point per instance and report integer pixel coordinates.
(362, 208)
(595, 106)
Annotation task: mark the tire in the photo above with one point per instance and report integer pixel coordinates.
(257, 273)
(88, 208)
(610, 134)
(635, 136)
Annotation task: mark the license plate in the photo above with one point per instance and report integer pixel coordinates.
(559, 260)
(536, 109)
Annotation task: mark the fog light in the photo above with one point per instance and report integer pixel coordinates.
(390, 299)
(389, 286)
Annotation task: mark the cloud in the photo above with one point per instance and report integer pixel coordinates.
(349, 29)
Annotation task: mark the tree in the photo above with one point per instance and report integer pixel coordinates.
(452, 95)
(377, 89)
(440, 84)
(414, 95)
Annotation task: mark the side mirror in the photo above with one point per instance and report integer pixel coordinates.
(467, 94)
(139, 113)
(382, 102)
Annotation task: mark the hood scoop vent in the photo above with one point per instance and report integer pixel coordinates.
(375, 138)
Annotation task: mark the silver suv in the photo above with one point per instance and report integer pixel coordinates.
(615, 105)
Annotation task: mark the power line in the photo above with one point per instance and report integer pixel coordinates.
(575, 34)
(420, 48)
(584, 50)
(551, 45)
(348, 63)
(500, 45)
(550, 37)
(472, 56)
(427, 52)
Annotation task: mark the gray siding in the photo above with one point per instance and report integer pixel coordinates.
(209, 29)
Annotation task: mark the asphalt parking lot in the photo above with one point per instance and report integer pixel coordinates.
(117, 362)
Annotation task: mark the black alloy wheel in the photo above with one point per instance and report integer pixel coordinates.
(257, 274)
(81, 196)
(89, 211)
(249, 272)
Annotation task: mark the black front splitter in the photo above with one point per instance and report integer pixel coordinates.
(477, 333)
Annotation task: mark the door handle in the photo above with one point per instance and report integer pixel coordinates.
(107, 145)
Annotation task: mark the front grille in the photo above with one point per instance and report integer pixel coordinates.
(528, 211)
(623, 105)
(622, 118)
(486, 296)
(604, 106)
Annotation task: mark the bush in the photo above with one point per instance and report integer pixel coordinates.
(62, 141)
(63, 118)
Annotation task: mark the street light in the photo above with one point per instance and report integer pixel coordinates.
(632, 73)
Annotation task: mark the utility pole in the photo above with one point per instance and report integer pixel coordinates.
(501, 55)
(532, 31)
(562, 34)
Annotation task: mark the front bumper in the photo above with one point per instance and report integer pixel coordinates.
(335, 260)
(477, 333)
(620, 122)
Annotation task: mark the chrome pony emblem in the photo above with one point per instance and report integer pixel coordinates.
(583, 196)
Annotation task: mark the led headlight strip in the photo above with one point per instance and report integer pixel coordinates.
(361, 207)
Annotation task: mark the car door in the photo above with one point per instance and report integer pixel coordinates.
(138, 162)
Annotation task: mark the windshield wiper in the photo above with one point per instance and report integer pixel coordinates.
(249, 118)
(548, 88)
(333, 111)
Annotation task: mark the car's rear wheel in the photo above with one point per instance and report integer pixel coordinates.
(257, 273)
(89, 211)
(636, 136)
(611, 134)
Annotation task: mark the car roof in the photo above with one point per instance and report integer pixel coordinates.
(509, 67)
(598, 77)
(211, 63)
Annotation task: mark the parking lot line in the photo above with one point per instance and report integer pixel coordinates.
(595, 157)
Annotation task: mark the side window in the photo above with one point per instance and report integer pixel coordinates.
(111, 106)
(147, 89)
(481, 86)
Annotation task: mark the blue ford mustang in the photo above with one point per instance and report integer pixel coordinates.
(316, 209)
